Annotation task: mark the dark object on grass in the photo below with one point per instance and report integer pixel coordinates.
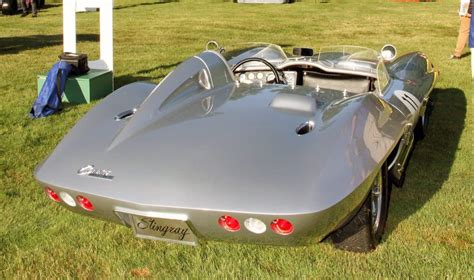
(48, 101)
(9, 7)
(78, 61)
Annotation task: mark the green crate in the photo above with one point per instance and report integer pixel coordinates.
(94, 85)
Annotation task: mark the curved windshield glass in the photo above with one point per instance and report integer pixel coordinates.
(340, 59)
(270, 52)
(382, 77)
(350, 58)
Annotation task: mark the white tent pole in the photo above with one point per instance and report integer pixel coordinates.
(106, 33)
(69, 25)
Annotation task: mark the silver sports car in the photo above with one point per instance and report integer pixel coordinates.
(250, 144)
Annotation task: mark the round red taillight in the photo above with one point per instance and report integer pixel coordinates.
(52, 194)
(229, 223)
(282, 226)
(85, 203)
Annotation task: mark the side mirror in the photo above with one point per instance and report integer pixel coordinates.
(389, 52)
(214, 46)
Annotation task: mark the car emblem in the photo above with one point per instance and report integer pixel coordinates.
(89, 170)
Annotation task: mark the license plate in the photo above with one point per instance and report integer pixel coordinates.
(163, 229)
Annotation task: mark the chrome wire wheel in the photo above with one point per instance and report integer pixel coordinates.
(376, 202)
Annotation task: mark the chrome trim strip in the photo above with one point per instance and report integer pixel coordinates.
(152, 214)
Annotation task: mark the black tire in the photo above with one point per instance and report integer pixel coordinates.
(422, 124)
(9, 7)
(364, 231)
(399, 182)
(420, 128)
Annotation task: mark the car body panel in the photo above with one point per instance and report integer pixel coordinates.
(201, 145)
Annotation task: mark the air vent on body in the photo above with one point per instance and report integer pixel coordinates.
(125, 114)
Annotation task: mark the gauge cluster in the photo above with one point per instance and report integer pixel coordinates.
(266, 77)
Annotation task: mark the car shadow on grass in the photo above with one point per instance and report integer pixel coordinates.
(15, 45)
(432, 158)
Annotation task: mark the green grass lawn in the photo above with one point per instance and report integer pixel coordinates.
(431, 222)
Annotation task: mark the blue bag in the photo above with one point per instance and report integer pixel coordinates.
(49, 99)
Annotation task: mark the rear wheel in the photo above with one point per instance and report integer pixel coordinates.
(422, 125)
(364, 231)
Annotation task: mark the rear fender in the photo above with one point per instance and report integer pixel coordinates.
(412, 66)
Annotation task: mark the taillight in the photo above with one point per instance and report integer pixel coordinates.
(282, 226)
(85, 203)
(52, 194)
(229, 223)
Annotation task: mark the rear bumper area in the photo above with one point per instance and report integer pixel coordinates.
(308, 227)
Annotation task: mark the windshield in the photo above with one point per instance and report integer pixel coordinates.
(340, 59)
(270, 52)
(351, 58)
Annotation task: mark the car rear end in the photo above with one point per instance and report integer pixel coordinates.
(193, 226)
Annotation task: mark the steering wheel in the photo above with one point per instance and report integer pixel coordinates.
(268, 64)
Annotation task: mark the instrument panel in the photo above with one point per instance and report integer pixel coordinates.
(266, 77)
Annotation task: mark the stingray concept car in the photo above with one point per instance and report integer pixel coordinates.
(250, 144)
